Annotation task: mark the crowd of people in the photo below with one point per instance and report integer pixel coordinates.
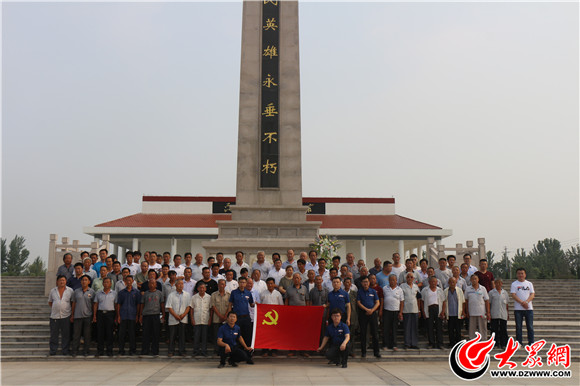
(212, 303)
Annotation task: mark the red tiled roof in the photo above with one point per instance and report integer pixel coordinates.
(141, 220)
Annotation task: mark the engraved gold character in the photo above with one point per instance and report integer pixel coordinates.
(270, 24)
(269, 81)
(270, 110)
(271, 168)
(270, 51)
(270, 137)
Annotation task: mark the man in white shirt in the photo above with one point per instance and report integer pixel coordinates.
(271, 296)
(231, 284)
(309, 282)
(262, 265)
(321, 270)
(302, 270)
(522, 291)
(200, 319)
(215, 275)
(467, 260)
(499, 305)
(133, 266)
(393, 302)
(259, 284)
(60, 302)
(255, 295)
(277, 272)
(433, 305)
(313, 263)
(153, 264)
(178, 267)
(477, 308)
(188, 282)
(178, 305)
(397, 267)
(239, 264)
(422, 270)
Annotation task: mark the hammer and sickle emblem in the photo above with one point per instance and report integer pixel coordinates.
(273, 318)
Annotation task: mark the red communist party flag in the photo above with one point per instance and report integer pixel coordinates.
(287, 327)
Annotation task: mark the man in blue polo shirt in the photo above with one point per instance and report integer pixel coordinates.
(240, 299)
(383, 276)
(339, 335)
(339, 298)
(228, 337)
(128, 309)
(368, 303)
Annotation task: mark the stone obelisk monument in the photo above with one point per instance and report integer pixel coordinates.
(268, 214)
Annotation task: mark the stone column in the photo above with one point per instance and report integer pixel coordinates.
(51, 265)
(135, 244)
(402, 249)
(272, 217)
(173, 247)
(363, 250)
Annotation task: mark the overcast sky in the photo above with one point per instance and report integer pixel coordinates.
(466, 113)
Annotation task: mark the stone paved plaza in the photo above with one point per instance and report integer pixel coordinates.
(290, 372)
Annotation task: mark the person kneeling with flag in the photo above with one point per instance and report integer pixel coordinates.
(339, 335)
(228, 338)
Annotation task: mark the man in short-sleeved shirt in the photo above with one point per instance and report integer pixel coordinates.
(67, 269)
(297, 294)
(59, 300)
(368, 303)
(128, 310)
(443, 273)
(486, 278)
(339, 298)
(228, 337)
(522, 291)
(104, 315)
(239, 264)
(178, 305)
(338, 334)
(240, 299)
(82, 309)
(477, 307)
(200, 318)
(153, 306)
(262, 265)
(210, 284)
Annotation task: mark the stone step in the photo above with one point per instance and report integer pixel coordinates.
(402, 355)
(42, 338)
(25, 332)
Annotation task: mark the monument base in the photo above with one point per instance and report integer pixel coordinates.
(268, 236)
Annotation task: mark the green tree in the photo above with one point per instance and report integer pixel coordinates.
(37, 268)
(524, 260)
(551, 260)
(14, 259)
(573, 257)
